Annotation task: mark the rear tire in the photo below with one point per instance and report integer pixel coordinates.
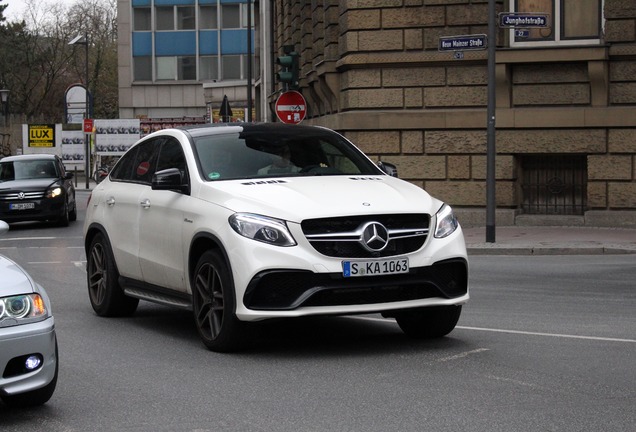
(428, 322)
(214, 305)
(106, 296)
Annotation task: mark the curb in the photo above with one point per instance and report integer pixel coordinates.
(494, 249)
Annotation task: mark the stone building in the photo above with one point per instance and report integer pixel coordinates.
(565, 99)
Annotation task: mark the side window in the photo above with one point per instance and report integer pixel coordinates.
(171, 156)
(123, 169)
(146, 161)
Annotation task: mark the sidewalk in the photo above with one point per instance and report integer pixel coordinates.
(551, 240)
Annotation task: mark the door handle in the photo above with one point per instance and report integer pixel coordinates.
(110, 201)
(145, 203)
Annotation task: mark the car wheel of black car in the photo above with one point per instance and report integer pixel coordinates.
(64, 217)
(105, 293)
(428, 323)
(72, 215)
(213, 301)
(35, 397)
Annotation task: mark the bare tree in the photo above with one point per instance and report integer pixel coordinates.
(39, 65)
(98, 20)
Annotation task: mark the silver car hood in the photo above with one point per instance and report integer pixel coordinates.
(13, 279)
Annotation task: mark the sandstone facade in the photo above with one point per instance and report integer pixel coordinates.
(371, 69)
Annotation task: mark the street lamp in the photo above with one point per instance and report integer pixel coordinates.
(83, 40)
(4, 96)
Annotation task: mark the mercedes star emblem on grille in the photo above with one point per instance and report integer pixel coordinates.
(374, 237)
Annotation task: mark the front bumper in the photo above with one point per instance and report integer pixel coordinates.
(22, 340)
(44, 209)
(289, 290)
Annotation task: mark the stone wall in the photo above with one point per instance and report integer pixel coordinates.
(371, 69)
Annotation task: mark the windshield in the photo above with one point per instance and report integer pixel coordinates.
(31, 169)
(293, 152)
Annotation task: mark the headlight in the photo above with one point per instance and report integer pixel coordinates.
(29, 307)
(53, 192)
(262, 228)
(446, 222)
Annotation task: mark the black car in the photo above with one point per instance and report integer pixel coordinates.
(36, 188)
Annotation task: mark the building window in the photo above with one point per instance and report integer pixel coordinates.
(164, 18)
(185, 18)
(554, 184)
(572, 22)
(166, 68)
(141, 20)
(230, 16)
(208, 68)
(142, 68)
(207, 17)
(231, 65)
(186, 68)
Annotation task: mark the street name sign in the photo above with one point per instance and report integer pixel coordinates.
(463, 43)
(523, 20)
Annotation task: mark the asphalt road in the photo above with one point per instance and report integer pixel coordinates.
(546, 343)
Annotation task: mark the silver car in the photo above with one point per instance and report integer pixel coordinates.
(28, 344)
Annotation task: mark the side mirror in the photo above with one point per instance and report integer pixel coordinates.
(169, 179)
(68, 176)
(388, 168)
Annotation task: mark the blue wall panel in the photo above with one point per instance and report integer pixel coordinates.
(141, 44)
(173, 2)
(235, 41)
(208, 42)
(175, 43)
(140, 3)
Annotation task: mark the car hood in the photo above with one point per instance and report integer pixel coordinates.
(14, 280)
(28, 184)
(299, 198)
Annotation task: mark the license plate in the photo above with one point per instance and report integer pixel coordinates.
(22, 206)
(375, 267)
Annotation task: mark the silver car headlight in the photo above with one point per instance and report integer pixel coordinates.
(22, 309)
(446, 222)
(262, 228)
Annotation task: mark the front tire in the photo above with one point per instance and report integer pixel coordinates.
(429, 322)
(106, 296)
(214, 304)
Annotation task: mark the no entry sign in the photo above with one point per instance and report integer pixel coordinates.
(291, 107)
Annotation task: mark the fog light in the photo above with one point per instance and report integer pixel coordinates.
(32, 362)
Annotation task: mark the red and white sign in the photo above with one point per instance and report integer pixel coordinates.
(88, 125)
(291, 107)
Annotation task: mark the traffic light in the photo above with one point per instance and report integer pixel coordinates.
(290, 68)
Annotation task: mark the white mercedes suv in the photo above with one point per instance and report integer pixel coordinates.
(247, 222)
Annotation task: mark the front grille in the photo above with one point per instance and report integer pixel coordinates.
(13, 196)
(288, 290)
(341, 237)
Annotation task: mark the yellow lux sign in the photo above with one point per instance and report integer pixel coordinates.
(41, 135)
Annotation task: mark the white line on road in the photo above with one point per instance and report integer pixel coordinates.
(597, 338)
(565, 336)
(462, 355)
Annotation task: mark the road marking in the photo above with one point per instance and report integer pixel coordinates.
(28, 238)
(462, 355)
(558, 335)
